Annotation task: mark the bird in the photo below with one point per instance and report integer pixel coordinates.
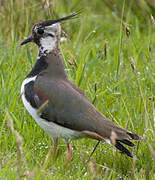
(58, 105)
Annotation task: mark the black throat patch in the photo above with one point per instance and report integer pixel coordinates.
(40, 65)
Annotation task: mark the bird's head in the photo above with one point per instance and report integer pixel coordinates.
(46, 34)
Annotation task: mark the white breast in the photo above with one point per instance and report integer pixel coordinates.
(52, 129)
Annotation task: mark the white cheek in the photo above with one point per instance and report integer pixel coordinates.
(48, 43)
(54, 28)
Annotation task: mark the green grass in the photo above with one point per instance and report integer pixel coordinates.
(109, 81)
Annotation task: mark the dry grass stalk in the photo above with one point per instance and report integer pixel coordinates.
(71, 61)
(147, 113)
(41, 108)
(47, 158)
(30, 174)
(154, 116)
(47, 4)
(152, 151)
(127, 30)
(93, 170)
(106, 174)
(150, 148)
(134, 67)
(152, 20)
(134, 162)
(15, 133)
(19, 142)
(65, 35)
(133, 167)
(141, 92)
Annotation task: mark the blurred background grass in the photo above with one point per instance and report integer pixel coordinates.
(103, 42)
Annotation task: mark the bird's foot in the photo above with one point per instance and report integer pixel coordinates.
(68, 155)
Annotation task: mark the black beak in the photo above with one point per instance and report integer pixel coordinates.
(29, 39)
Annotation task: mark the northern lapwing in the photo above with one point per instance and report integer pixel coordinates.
(58, 105)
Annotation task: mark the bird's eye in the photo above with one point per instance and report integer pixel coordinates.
(40, 31)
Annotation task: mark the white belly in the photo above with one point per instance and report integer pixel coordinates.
(52, 129)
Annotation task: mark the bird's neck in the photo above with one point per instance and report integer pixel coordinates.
(47, 45)
(49, 63)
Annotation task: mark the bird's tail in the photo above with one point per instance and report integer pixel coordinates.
(118, 137)
(118, 143)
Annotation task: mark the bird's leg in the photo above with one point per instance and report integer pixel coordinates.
(93, 150)
(55, 148)
(68, 154)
